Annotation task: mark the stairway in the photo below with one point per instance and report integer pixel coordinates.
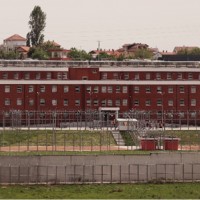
(118, 138)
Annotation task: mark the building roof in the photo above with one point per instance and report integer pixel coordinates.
(179, 48)
(55, 44)
(23, 48)
(15, 37)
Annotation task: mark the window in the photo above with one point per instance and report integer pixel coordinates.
(169, 76)
(115, 76)
(54, 102)
(124, 89)
(84, 78)
(190, 76)
(158, 76)
(96, 89)
(170, 102)
(31, 102)
(181, 89)
(66, 88)
(103, 103)
(136, 89)
(180, 76)
(59, 76)
(117, 102)
(5, 75)
(118, 89)
(77, 102)
(124, 102)
(54, 88)
(170, 89)
(19, 102)
(137, 76)
(104, 76)
(42, 88)
(110, 89)
(30, 88)
(193, 102)
(181, 115)
(16, 75)
(64, 75)
(38, 76)
(148, 102)
(148, 76)
(65, 102)
(159, 89)
(7, 102)
(48, 75)
(7, 88)
(182, 102)
(42, 102)
(103, 89)
(77, 89)
(96, 102)
(193, 89)
(159, 102)
(19, 89)
(109, 102)
(136, 102)
(148, 89)
(26, 76)
(88, 89)
(88, 102)
(126, 76)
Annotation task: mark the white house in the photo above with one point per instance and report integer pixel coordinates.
(14, 41)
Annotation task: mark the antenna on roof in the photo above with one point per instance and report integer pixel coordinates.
(99, 44)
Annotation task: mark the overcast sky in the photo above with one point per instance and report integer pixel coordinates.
(81, 23)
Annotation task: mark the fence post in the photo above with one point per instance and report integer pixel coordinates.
(65, 174)
(10, 176)
(138, 176)
(174, 172)
(18, 174)
(147, 168)
(74, 173)
(28, 174)
(120, 173)
(83, 173)
(156, 173)
(93, 174)
(111, 173)
(183, 172)
(0, 175)
(129, 173)
(56, 175)
(192, 172)
(101, 173)
(47, 174)
(37, 168)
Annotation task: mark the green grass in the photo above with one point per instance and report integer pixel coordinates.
(48, 137)
(188, 137)
(106, 191)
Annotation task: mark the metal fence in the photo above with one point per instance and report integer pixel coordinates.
(93, 119)
(80, 174)
(73, 131)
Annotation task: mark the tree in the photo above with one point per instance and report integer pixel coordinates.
(143, 54)
(37, 24)
(76, 54)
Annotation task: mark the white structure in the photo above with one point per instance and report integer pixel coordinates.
(14, 41)
(127, 124)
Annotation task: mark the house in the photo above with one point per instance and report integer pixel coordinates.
(59, 54)
(129, 50)
(23, 51)
(109, 52)
(184, 48)
(14, 41)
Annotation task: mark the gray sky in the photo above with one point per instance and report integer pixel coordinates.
(81, 23)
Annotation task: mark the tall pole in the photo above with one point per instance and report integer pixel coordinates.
(99, 44)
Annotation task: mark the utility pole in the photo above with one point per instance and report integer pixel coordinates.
(99, 44)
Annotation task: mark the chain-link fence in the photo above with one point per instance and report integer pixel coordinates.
(94, 131)
(79, 174)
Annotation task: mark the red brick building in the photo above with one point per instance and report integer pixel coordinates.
(75, 86)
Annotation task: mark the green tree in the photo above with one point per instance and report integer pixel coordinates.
(9, 54)
(76, 54)
(143, 54)
(38, 53)
(37, 24)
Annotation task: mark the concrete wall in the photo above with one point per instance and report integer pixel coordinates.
(100, 168)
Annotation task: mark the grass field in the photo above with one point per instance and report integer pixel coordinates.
(106, 191)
